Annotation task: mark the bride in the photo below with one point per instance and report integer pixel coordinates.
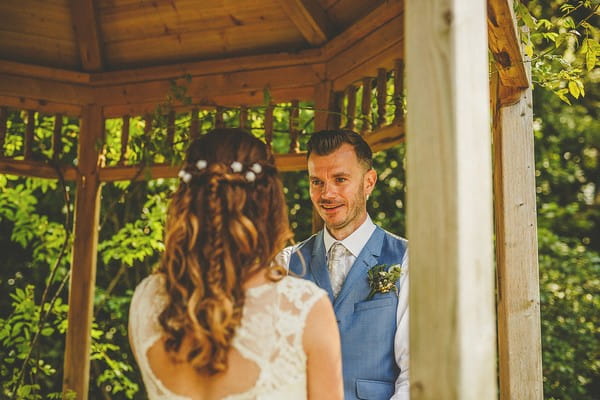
(219, 319)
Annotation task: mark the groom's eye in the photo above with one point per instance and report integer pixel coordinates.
(315, 182)
(340, 180)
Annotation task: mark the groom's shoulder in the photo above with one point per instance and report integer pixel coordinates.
(394, 239)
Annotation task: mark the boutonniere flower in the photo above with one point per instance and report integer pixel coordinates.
(382, 278)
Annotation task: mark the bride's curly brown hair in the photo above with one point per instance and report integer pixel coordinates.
(222, 227)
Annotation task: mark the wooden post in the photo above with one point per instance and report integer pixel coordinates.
(170, 130)
(124, 140)
(269, 126)
(83, 268)
(57, 137)
(194, 125)
(365, 107)
(351, 107)
(324, 102)
(3, 128)
(243, 117)
(29, 135)
(293, 126)
(381, 95)
(519, 328)
(399, 92)
(452, 318)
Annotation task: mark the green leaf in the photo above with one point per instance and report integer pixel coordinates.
(590, 59)
(574, 89)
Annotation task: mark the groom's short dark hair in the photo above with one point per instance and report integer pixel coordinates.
(327, 141)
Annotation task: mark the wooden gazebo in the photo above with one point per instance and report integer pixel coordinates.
(104, 59)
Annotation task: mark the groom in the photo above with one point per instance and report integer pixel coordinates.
(373, 330)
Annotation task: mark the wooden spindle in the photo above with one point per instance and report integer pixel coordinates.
(243, 117)
(334, 120)
(170, 129)
(351, 109)
(398, 91)
(125, 139)
(269, 126)
(56, 136)
(365, 108)
(381, 95)
(194, 130)
(219, 123)
(294, 131)
(3, 128)
(29, 134)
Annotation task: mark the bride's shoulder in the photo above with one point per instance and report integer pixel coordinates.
(149, 288)
(302, 287)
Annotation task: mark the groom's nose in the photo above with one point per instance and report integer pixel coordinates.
(328, 191)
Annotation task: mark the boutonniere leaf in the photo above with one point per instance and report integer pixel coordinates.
(382, 278)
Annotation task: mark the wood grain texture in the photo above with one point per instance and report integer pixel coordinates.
(449, 220)
(519, 330)
(36, 169)
(310, 19)
(87, 35)
(83, 267)
(504, 44)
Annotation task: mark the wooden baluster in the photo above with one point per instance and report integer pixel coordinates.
(29, 134)
(334, 120)
(124, 139)
(194, 131)
(351, 109)
(243, 117)
(381, 95)
(399, 91)
(56, 136)
(171, 129)
(219, 123)
(269, 126)
(365, 108)
(294, 131)
(3, 127)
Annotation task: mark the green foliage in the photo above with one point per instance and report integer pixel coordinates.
(561, 42)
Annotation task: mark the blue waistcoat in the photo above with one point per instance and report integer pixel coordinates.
(367, 327)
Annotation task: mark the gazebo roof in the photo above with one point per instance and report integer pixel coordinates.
(112, 35)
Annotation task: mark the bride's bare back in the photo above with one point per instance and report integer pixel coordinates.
(268, 358)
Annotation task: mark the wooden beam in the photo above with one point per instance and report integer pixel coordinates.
(310, 19)
(452, 318)
(204, 87)
(21, 103)
(366, 48)
(381, 95)
(504, 43)
(369, 23)
(365, 106)
(294, 123)
(47, 73)
(36, 169)
(519, 330)
(43, 90)
(87, 34)
(83, 268)
(385, 137)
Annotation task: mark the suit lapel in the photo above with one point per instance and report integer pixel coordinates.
(318, 265)
(367, 258)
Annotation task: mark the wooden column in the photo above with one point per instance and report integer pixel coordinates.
(83, 268)
(519, 328)
(449, 172)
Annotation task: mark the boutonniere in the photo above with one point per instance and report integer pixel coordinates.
(382, 278)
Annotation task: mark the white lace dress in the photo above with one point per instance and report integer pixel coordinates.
(270, 335)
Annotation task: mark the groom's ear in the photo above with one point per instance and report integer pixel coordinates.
(369, 181)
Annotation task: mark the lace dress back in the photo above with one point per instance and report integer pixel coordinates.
(269, 337)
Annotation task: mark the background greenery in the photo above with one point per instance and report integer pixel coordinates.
(36, 221)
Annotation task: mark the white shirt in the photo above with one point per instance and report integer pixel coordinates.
(354, 244)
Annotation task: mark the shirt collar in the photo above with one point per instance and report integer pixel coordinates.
(357, 239)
